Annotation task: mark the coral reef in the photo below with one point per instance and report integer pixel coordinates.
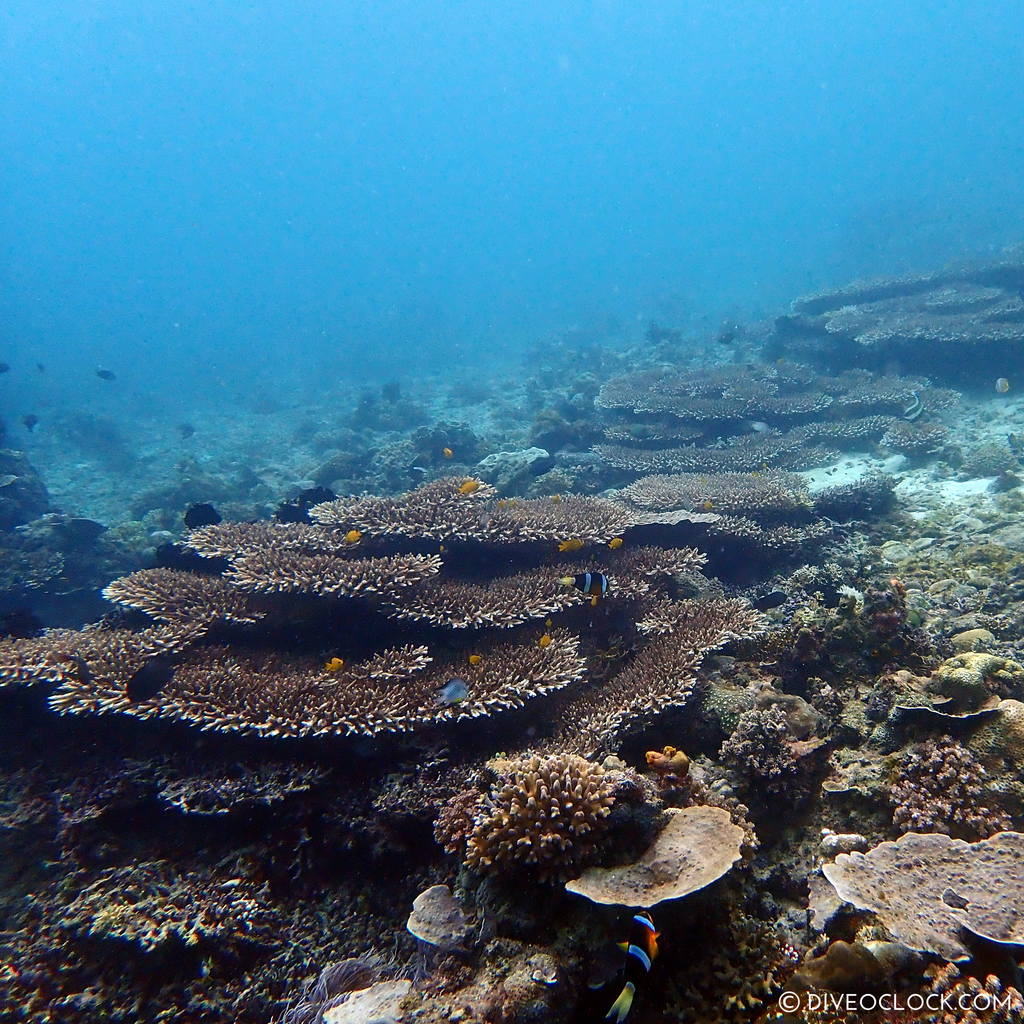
(415, 751)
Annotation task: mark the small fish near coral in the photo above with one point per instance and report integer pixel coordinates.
(593, 584)
(455, 691)
(149, 680)
(640, 948)
(1002, 385)
(30, 420)
(201, 514)
(572, 544)
(334, 665)
(105, 374)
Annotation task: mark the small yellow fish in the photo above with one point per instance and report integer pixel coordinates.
(545, 640)
(469, 487)
(503, 503)
(708, 505)
(447, 452)
(335, 665)
(474, 659)
(572, 544)
(548, 623)
(615, 543)
(353, 537)
(441, 549)
(556, 498)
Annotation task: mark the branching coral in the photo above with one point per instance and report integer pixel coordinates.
(440, 510)
(662, 675)
(974, 309)
(151, 904)
(290, 572)
(741, 420)
(543, 814)
(762, 495)
(269, 693)
(942, 787)
(969, 1000)
(227, 788)
(169, 595)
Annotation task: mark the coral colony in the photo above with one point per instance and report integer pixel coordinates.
(701, 690)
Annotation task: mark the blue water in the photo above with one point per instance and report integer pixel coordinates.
(289, 194)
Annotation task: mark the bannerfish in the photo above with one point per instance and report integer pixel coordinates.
(915, 408)
(201, 514)
(1002, 385)
(30, 421)
(453, 692)
(594, 584)
(640, 948)
(105, 374)
(186, 430)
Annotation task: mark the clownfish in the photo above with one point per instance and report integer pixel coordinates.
(640, 948)
(595, 584)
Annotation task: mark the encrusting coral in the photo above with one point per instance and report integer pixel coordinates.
(926, 887)
(696, 846)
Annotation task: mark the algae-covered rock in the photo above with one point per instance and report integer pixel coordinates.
(973, 640)
(381, 1003)
(507, 470)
